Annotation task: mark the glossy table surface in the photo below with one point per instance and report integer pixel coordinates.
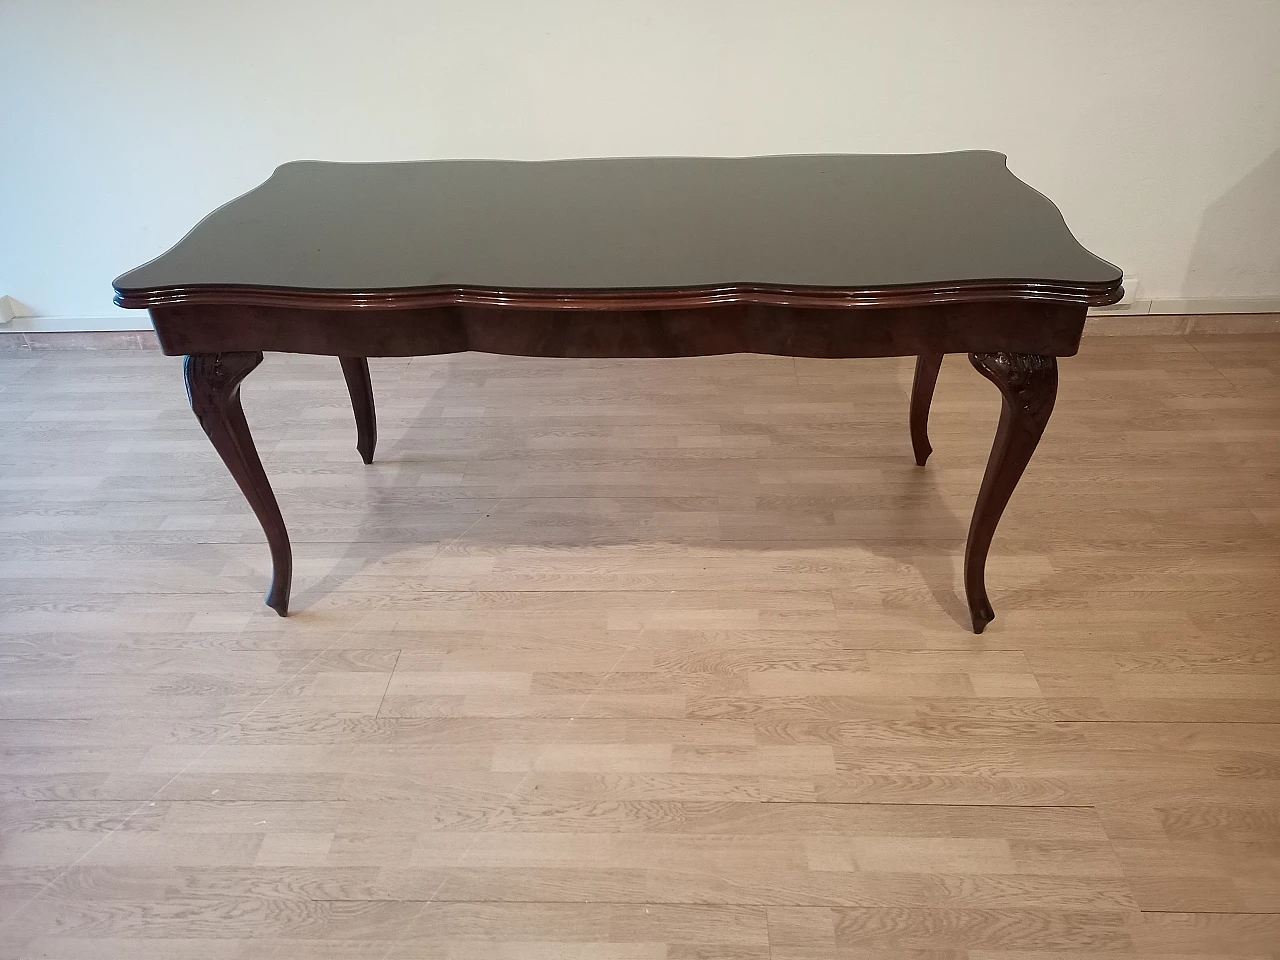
(785, 222)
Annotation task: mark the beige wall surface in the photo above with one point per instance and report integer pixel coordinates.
(1155, 124)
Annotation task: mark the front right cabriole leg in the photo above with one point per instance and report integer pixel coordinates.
(1029, 385)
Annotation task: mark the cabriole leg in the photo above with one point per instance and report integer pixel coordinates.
(927, 365)
(213, 387)
(356, 370)
(1029, 385)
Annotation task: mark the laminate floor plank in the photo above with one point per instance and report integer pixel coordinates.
(628, 659)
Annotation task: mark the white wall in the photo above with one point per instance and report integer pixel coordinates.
(1155, 124)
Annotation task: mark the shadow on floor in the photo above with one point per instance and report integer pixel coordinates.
(914, 526)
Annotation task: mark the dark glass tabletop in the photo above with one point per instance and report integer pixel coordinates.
(791, 222)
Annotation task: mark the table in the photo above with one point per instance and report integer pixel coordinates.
(805, 256)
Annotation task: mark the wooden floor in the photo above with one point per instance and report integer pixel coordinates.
(642, 659)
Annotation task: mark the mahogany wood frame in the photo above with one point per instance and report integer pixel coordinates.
(1013, 334)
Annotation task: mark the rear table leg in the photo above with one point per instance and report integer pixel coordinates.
(356, 370)
(927, 365)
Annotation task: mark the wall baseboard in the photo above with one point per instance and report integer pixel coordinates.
(1143, 317)
(121, 321)
(1201, 307)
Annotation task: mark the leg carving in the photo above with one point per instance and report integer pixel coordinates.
(213, 387)
(1029, 386)
(927, 365)
(356, 370)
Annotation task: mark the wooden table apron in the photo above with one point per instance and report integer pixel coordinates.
(1013, 338)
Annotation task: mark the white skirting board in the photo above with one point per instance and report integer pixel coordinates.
(124, 321)
(1228, 315)
(1191, 308)
(1156, 317)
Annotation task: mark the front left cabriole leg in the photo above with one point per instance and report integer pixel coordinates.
(213, 387)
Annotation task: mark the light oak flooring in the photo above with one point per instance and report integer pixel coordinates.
(642, 659)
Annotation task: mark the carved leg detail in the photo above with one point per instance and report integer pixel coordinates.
(927, 365)
(356, 370)
(213, 387)
(1029, 385)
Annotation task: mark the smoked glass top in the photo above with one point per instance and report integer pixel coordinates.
(839, 222)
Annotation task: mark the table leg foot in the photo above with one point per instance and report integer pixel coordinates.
(927, 365)
(356, 370)
(213, 387)
(1028, 384)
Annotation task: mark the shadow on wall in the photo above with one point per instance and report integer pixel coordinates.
(1237, 251)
